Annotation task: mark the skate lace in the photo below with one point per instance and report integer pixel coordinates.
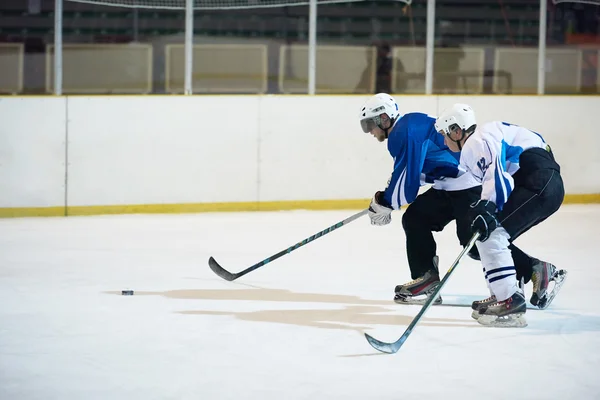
(491, 298)
(418, 280)
(535, 280)
(497, 303)
(508, 302)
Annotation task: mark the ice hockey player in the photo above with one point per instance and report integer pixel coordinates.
(521, 187)
(420, 157)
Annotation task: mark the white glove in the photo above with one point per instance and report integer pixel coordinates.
(380, 215)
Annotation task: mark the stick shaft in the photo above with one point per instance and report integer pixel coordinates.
(395, 346)
(291, 248)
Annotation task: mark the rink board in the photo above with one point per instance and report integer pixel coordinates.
(85, 155)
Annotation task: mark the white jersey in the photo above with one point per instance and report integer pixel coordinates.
(464, 180)
(492, 154)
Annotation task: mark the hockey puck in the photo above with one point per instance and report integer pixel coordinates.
(127, 292)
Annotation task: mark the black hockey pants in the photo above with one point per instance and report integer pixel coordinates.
(538, 193)
(431, 212)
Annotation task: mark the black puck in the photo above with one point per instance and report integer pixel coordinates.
(127, 292)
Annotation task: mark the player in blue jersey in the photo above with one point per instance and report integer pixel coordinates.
(420, 157)
(521, 187)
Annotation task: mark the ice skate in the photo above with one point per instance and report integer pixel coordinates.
(509, 313)
(419, 290)
(543, 274)
(490, 300)
(481, 303)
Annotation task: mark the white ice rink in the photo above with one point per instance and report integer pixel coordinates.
(292, 329)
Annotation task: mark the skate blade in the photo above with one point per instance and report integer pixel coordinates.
(559, 280)
(507, 321)
(417, 301)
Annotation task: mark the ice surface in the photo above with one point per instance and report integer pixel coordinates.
(292, 329)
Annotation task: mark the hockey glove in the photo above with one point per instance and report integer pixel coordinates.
(379, 213)
(484, 219)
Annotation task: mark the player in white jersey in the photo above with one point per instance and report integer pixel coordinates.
(521, 187)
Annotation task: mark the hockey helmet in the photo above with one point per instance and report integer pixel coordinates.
(458, 116)
(370, 114)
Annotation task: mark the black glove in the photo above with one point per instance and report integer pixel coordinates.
(484, 219)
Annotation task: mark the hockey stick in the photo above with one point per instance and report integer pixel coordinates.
(392, 348)
(228, 276)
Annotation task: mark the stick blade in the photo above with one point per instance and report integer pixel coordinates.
(389, 348)
(220, 271)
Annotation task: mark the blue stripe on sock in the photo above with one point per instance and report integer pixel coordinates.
(497, 278)
(493, 271)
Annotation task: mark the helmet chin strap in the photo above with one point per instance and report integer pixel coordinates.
(459, 140)
(459, 145)
(387, 131)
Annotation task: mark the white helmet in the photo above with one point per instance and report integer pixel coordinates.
(458, 116)
(381, 103)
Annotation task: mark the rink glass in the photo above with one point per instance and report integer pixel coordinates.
(362, 47)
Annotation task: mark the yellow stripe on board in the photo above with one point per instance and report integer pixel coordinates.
(582, 198)
(220, 207)
(32, 212)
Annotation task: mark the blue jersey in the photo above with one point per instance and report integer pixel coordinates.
(420, 157)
